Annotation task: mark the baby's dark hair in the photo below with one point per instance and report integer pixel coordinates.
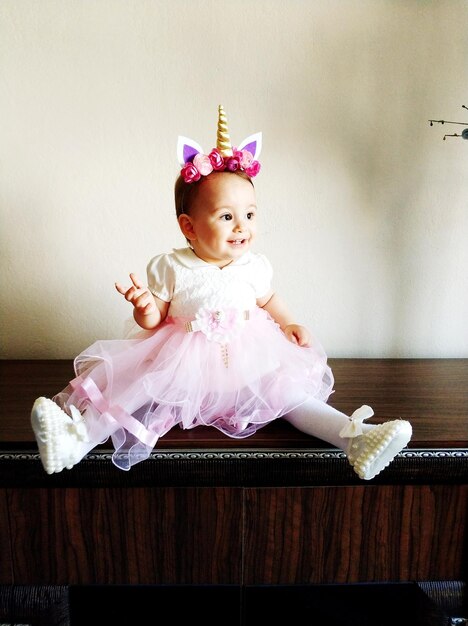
(185, 193)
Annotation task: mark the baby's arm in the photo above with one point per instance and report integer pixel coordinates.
(149, 311)
(282, 316)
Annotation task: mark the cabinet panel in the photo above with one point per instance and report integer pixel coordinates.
(355, 534)
(126, 536)
(5, 551)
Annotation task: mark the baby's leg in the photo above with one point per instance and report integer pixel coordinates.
(321, 420)
(369, 448)
(63, 440)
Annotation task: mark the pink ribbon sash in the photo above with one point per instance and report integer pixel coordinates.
(88, 388)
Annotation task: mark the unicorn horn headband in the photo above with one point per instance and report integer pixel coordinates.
(196, 163)
(223, 141)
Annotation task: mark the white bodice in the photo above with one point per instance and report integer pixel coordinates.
(189, 283)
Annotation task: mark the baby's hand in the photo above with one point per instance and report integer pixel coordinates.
(138, 295)
(297, 334)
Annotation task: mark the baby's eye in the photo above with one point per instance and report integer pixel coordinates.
(250, 215)
(226, 217)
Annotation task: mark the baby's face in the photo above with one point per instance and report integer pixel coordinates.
(221, 225)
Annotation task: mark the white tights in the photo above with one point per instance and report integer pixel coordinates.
(319, 419)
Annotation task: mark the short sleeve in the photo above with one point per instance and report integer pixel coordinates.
(262, 275)
(161, 277)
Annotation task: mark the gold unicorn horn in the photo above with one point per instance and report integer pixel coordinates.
(223, 141)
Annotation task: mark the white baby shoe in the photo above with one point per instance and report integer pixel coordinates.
(370, 452)
(58, 435)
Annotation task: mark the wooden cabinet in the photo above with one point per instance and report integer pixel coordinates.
(220, 535)
(278, 508)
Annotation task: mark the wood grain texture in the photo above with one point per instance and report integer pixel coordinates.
(355, 534)
(6, 560)
(431, 393)
(344, 534)
(276, 534)
(126, 536)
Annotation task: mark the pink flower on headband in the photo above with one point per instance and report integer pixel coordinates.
(253, 170)
(190, 173)
(203, 164)
(246, 159)
(216, 159)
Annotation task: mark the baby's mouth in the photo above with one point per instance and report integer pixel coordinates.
(237, 242)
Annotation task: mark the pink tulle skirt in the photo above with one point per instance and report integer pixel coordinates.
(158, 379)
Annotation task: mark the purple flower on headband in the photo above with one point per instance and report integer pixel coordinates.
(190, 173)
(216, 159)
(232, 164)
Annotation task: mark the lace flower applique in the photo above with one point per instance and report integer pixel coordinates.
(219, 323)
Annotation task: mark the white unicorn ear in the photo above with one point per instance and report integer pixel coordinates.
(187, 149)
(253, 143)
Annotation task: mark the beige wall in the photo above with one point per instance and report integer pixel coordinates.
(363, 207)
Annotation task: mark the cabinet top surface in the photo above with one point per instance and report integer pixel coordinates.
(431, 393)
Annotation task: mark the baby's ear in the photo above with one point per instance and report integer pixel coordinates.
(253, 143)
(187, 149)
(186, 227)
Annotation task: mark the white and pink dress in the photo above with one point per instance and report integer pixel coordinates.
(217, 360)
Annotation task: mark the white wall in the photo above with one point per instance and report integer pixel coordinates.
(363, 207)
